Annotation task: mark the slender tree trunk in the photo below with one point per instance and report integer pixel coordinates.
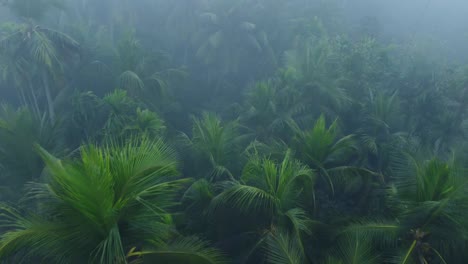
(22, 97)
(34, 98)
(50, 103)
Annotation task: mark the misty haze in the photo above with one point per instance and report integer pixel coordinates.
(234, 131)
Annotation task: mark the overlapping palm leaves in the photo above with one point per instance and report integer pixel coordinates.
(144, 75)
(111, 200)
(216, 40)
(217, 143)
(19, 130)
(322, 149)
(353, 249)
(45, 51)
(273, 192)
(428, 213)
(379, 134)
(271, 107)
(115, 116)
(314, 60)
(125, 117)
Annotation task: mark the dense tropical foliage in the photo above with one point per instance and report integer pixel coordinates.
(219, 131)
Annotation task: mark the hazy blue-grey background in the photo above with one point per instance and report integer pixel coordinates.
(445, 22)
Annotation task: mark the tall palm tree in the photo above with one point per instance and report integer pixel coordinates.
(48, 50)
(273, 194)
(322, 149)
(108, 206)
(20, 129)
(227, 37)
(380, 134)
(427, 213)
(270, 107)
(314, 59)
(216, 144)
(142, 73)
(126, 118)
(115, 116)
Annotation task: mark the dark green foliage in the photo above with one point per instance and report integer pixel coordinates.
(116, 116)
(220, 131)
(216, 144)
(272, 193)
(19, 163)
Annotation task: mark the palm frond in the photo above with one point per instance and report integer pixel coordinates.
(355, 249)
(109, 199)
(131, 82)
(247, 199)
(381, 232)
(283, 248)
(189, 250)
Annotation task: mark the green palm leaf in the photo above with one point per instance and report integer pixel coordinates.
(282, 248)
(188, 250)
(100, 205)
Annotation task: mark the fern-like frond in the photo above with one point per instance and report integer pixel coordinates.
(190, 250)
(283, 248)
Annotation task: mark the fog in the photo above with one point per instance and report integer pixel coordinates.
(444, 22)
(234, 131)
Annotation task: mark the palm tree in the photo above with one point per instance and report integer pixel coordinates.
(227, 37)
(20, 129)
(322, 149)
(115, 116)
(313, 61)
(379, 131)
(141, 73)
(272, 193)
(270, 107)
(216, 144)
(108, 206)
(427, 213)
(47, 50)
(16, 73)
(352, 249)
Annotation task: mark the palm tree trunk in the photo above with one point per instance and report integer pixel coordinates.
(36, 104)
(50, 102)
(22, 96)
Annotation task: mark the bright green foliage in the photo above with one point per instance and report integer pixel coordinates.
(283, 249)
(185, 250)
(98, 207)
(353, 249)
(313, 135)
